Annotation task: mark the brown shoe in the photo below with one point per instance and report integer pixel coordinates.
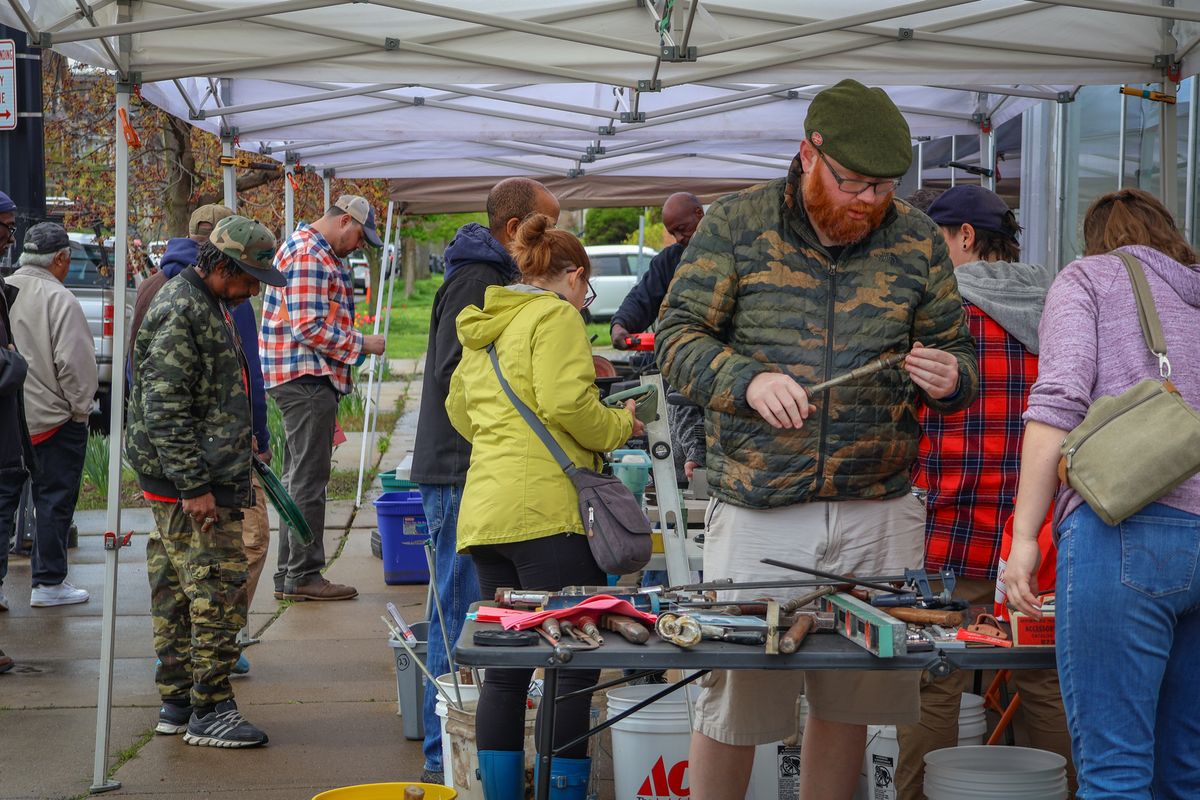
(321, 590)
(6, 663)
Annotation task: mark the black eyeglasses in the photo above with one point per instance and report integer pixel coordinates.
(590, 296)
(6, 231)
(855, 186)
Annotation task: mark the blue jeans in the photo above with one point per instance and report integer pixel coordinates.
(1128, 632)
(457, 588)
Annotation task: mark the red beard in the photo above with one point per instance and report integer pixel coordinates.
(832, 221)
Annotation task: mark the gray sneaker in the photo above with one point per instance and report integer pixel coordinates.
(3, 601)
(224, 726)
(173, 719)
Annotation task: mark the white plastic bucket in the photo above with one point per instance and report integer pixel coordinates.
(877, 781)
(469, 692)
(995, 773)
(650, 750)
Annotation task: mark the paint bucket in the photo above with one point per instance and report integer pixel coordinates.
(995, 773)
(402, 535)
(877, 781)
(469, 692)
(462, 768)
(386, 791)
(650, 749)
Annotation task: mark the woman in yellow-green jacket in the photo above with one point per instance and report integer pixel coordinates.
(519, 517)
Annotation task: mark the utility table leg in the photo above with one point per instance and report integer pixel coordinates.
(545, 737)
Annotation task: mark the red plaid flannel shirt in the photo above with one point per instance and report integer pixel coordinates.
(308, 325)
(969, 461)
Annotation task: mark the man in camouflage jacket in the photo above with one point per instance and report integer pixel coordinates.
(189, 440)
(785, 285)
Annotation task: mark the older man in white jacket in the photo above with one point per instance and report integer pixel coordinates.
(51, 331)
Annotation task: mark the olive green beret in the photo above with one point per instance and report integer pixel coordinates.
(861, 129)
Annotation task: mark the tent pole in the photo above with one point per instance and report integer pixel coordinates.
(387, 319)
(1121, 143)
(112, 536)
(920, 165)
(1062, 137)
(367, 431)
(1168, 149)
(987, 155)
(289, 202)
(953, 157)
(1189, 200)
(229, 174)
(326, 180)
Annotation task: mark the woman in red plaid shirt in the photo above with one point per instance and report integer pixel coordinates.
(969, 461)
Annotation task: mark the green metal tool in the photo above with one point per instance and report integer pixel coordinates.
(645, 396)
(289, 512)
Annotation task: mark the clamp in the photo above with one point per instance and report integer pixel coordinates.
(113, 541)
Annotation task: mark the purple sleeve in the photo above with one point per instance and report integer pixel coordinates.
(1067, 351)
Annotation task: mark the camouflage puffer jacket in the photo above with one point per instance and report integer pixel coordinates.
(189, 414)
(757, 292)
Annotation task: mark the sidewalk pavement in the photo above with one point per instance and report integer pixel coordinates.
(322, 681)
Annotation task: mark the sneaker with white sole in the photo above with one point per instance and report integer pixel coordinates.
(62, 595)
(173, 718)
(224, 726)
(3, 601)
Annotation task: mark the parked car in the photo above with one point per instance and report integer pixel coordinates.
(361, 269)
(91, 283)
(615, 269)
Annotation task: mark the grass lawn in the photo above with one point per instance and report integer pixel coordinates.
(408, 332)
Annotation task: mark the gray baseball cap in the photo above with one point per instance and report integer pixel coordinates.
(45, 237)
(361, 212)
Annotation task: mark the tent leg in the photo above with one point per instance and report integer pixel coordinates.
(229, 174)
(1168, 150)
(368, 430)
(920, 165)
(113, 541)
(289, 204)
(1121, 143)
(326, 180)
(1189, 200)
(1061, 190)
(387, 320)
(953, 157)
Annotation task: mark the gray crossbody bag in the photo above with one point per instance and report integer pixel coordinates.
(617, 529)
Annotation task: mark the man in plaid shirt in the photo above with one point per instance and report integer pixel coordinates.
(309, 348)
(969, 462)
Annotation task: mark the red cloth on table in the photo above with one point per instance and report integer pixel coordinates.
(515, 620)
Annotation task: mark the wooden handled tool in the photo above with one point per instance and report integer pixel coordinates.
(871, 367)
(926, 616)
(628, 629)
(588, 626)
(790, 642)
(550, 625)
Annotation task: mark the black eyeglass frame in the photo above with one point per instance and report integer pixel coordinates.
(891, 184)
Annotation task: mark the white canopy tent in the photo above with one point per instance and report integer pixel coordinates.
(633, 76)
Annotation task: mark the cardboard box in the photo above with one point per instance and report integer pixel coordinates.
(1030, 632)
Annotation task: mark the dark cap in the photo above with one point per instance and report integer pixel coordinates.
(6, 203)
(974, 205)
(250, 245)
(861, 129)
(45, 237)
(361, 212)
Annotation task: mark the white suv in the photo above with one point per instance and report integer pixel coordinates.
(615, 269)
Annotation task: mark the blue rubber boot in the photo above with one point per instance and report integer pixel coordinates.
(502, 773)
(568, 778)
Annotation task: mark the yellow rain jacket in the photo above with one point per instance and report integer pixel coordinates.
(515, 491)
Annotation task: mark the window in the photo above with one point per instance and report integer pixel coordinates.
(608, 265)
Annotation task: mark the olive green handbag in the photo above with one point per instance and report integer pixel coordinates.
(1132, 449)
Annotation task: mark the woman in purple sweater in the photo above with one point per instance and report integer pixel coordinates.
(1128, 623)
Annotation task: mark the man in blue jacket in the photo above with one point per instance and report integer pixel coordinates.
(179, 255)
(476, 259)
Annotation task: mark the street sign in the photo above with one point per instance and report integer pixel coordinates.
(8, 85)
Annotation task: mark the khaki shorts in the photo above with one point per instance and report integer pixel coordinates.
(866, 537)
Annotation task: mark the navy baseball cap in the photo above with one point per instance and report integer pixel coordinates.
(974, 205)
(6, 203)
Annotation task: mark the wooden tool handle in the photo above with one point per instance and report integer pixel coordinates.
(926, 616)
(626, 628)
(791, 641)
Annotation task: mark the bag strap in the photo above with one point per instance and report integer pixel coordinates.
(555, 449)
(1147, 313)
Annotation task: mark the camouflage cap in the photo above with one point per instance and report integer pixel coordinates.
(861, 129)
(250, 245)
(212, 214)
(45, 238)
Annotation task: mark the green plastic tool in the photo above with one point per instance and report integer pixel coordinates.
(289, 512)
(646, 397)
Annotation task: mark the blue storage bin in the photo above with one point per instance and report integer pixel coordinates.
(402, 534)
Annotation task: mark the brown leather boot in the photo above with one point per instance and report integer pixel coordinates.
(6, 663)
(321, 590)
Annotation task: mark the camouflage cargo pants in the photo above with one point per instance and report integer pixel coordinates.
(197, 602)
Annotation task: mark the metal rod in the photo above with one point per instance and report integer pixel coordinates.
(437, 603)
(301, 99)
(289, 203)
(1189, 197)
(399, 636)
(609, 684)
(112, 556)
(920, 165)
(870, 368)
(28, 24)
(833, 576)
(730, 585)
(608, 723)
(193, 19)
(1121, 142)
(371, 362)
(326, 180)
(687, 30)
(953, 157)
(1160, 12)
(1061, 166)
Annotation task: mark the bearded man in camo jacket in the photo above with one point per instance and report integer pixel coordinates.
(189, 440)
(785, 285)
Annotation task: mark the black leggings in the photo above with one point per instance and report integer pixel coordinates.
(549, 563)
